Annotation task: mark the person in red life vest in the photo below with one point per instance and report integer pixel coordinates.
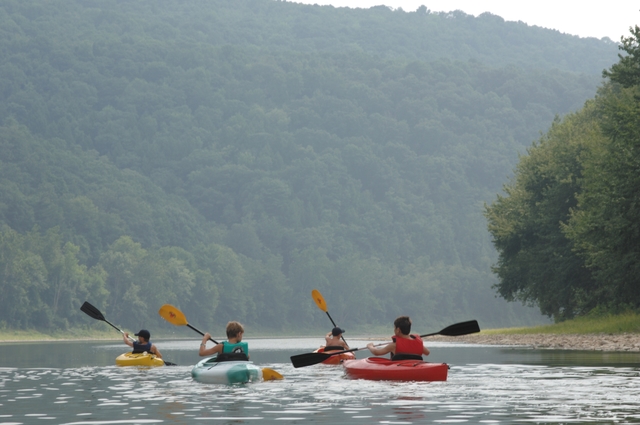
(405, 345)
(142, 344)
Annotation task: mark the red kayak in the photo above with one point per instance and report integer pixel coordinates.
(381, 369)
(336, 359)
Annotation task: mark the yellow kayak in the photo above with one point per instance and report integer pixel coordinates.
(138, 359)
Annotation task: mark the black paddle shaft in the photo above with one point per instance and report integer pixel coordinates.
(335, 326)
(202, 333)
(462, 328)
(96, 314)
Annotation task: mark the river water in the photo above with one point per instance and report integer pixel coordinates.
(77, 383)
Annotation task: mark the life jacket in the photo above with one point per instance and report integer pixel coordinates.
(408, 347)
(141, 348)
(233, 352)
(238, 347)
(333, 348)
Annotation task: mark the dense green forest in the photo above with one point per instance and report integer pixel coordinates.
(568, 227)
(229, 156)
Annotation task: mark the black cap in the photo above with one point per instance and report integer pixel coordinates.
(144, 333)
(337, 331)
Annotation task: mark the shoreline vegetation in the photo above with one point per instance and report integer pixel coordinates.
(589, 342)
(600, 333)
(597, 333)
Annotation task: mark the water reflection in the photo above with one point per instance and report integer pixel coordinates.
(79, 384)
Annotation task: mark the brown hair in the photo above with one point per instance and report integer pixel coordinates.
(404, 324)
(233, 329)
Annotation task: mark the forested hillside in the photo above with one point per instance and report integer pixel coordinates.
(228, 157)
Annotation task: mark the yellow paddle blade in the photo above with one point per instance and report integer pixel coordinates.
(172, 315)
(319, 300)
(270, 374)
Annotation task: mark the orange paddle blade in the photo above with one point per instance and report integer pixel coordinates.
(270, 374)
(172, 315)
(319, 300)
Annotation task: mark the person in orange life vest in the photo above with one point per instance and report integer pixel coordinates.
(142, 344)
(403, 342)
(333, 339)
(234, 344)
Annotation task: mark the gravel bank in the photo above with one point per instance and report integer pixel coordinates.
(598, 342)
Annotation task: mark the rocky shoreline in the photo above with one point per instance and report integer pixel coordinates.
(594, 342)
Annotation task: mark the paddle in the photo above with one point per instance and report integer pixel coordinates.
(176, 317)
(462, 328)
(96, 314)
(322, 305)
(91, 311)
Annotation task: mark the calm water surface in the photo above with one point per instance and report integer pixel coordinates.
(77, 383)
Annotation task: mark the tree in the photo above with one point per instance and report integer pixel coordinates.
(606, 226)
(627, 71)
(23, 278)
(537, 263)
(120, 261)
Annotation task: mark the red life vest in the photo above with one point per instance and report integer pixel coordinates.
(411, 345)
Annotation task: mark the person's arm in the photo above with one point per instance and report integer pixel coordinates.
(379, 351)
(125, 338)
(425, 350)
(204, 351)
(327, 339)
(154, 350)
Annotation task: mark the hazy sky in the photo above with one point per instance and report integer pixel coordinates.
(585, 18)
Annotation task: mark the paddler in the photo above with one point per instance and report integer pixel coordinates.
(142, 344)
(232, 349)
(405, 345)
(334, 340)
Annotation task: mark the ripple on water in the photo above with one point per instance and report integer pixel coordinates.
(475, 393)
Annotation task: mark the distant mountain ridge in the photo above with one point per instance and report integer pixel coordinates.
(419, 35)
(215, 154)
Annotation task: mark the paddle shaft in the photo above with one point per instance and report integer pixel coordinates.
(335, 326)
(375, 345)
(94, 313)
(457, 329)
(322, 305)
(120, 330)
(201, 333)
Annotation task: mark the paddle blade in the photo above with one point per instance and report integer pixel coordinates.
(319, 300)
(172, 315)
(308, 359)
(463, 328)
(270, 374)
(92, 311)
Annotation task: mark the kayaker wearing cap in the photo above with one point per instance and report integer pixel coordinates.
(142, 344)
(404, 345)
(334, 340)
(233, 346)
